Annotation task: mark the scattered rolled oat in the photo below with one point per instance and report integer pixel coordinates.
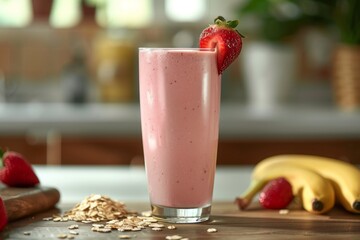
(146, 214)
(72, 232)
(60, 219)
(171, 227)
(156, 229)
(124, 236)
(174, 237)
(27, 233)
(151, 219)
(70, 237)
(101, 229)
(284, 211)
(135, 229)
(74, 226)
(98, 225)
(62, 236)
(104, 230)
(87, 221)
(156, 225)
(212, 230)
(131, 223)
(57, 219)
(125, 228)
(47, 219)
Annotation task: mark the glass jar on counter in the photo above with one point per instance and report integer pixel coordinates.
(115, 68)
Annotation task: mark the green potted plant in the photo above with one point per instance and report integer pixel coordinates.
(275, 21)
(346, 70)
(269, 61)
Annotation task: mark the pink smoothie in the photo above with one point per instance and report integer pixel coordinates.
(180, 105)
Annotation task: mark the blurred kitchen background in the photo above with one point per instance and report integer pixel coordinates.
(68, 77)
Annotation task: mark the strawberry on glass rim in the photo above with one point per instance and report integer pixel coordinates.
(222, 36)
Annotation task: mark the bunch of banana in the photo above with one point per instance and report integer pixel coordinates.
(319, 181)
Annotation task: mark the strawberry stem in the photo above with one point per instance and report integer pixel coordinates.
(221, 21)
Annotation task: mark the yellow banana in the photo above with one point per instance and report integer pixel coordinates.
(344, 176)
(316, 192)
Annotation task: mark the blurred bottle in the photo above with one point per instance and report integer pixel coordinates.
(2, 87)
(115, 68)
(346, 77)
(75, 80)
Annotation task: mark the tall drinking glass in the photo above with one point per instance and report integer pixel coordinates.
(180, 105)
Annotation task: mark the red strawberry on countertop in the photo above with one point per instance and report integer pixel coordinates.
(276, 194)
(16, 171)
(3, 217)
(223, 36)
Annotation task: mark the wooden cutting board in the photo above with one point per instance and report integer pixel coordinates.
(22, 202)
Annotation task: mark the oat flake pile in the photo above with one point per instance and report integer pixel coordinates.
(97, 208)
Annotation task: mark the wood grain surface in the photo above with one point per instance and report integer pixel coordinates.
(22, 202)
(255, 223)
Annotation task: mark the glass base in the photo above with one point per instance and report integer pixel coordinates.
(181, 215)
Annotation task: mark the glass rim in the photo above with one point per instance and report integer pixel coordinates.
(176, 49)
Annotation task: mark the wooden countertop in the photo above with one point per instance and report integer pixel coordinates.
(230, 223)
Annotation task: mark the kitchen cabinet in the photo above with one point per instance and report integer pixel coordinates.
(70, 150)
(101, 151)
(31, 148)
(57, 150)
(230, 152)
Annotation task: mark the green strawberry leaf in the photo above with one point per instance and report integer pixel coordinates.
(1, 158)
(233, 23)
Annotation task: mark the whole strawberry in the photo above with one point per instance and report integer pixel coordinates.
(223, 36)
(16, 171)
(276, 194)
(3, 216)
